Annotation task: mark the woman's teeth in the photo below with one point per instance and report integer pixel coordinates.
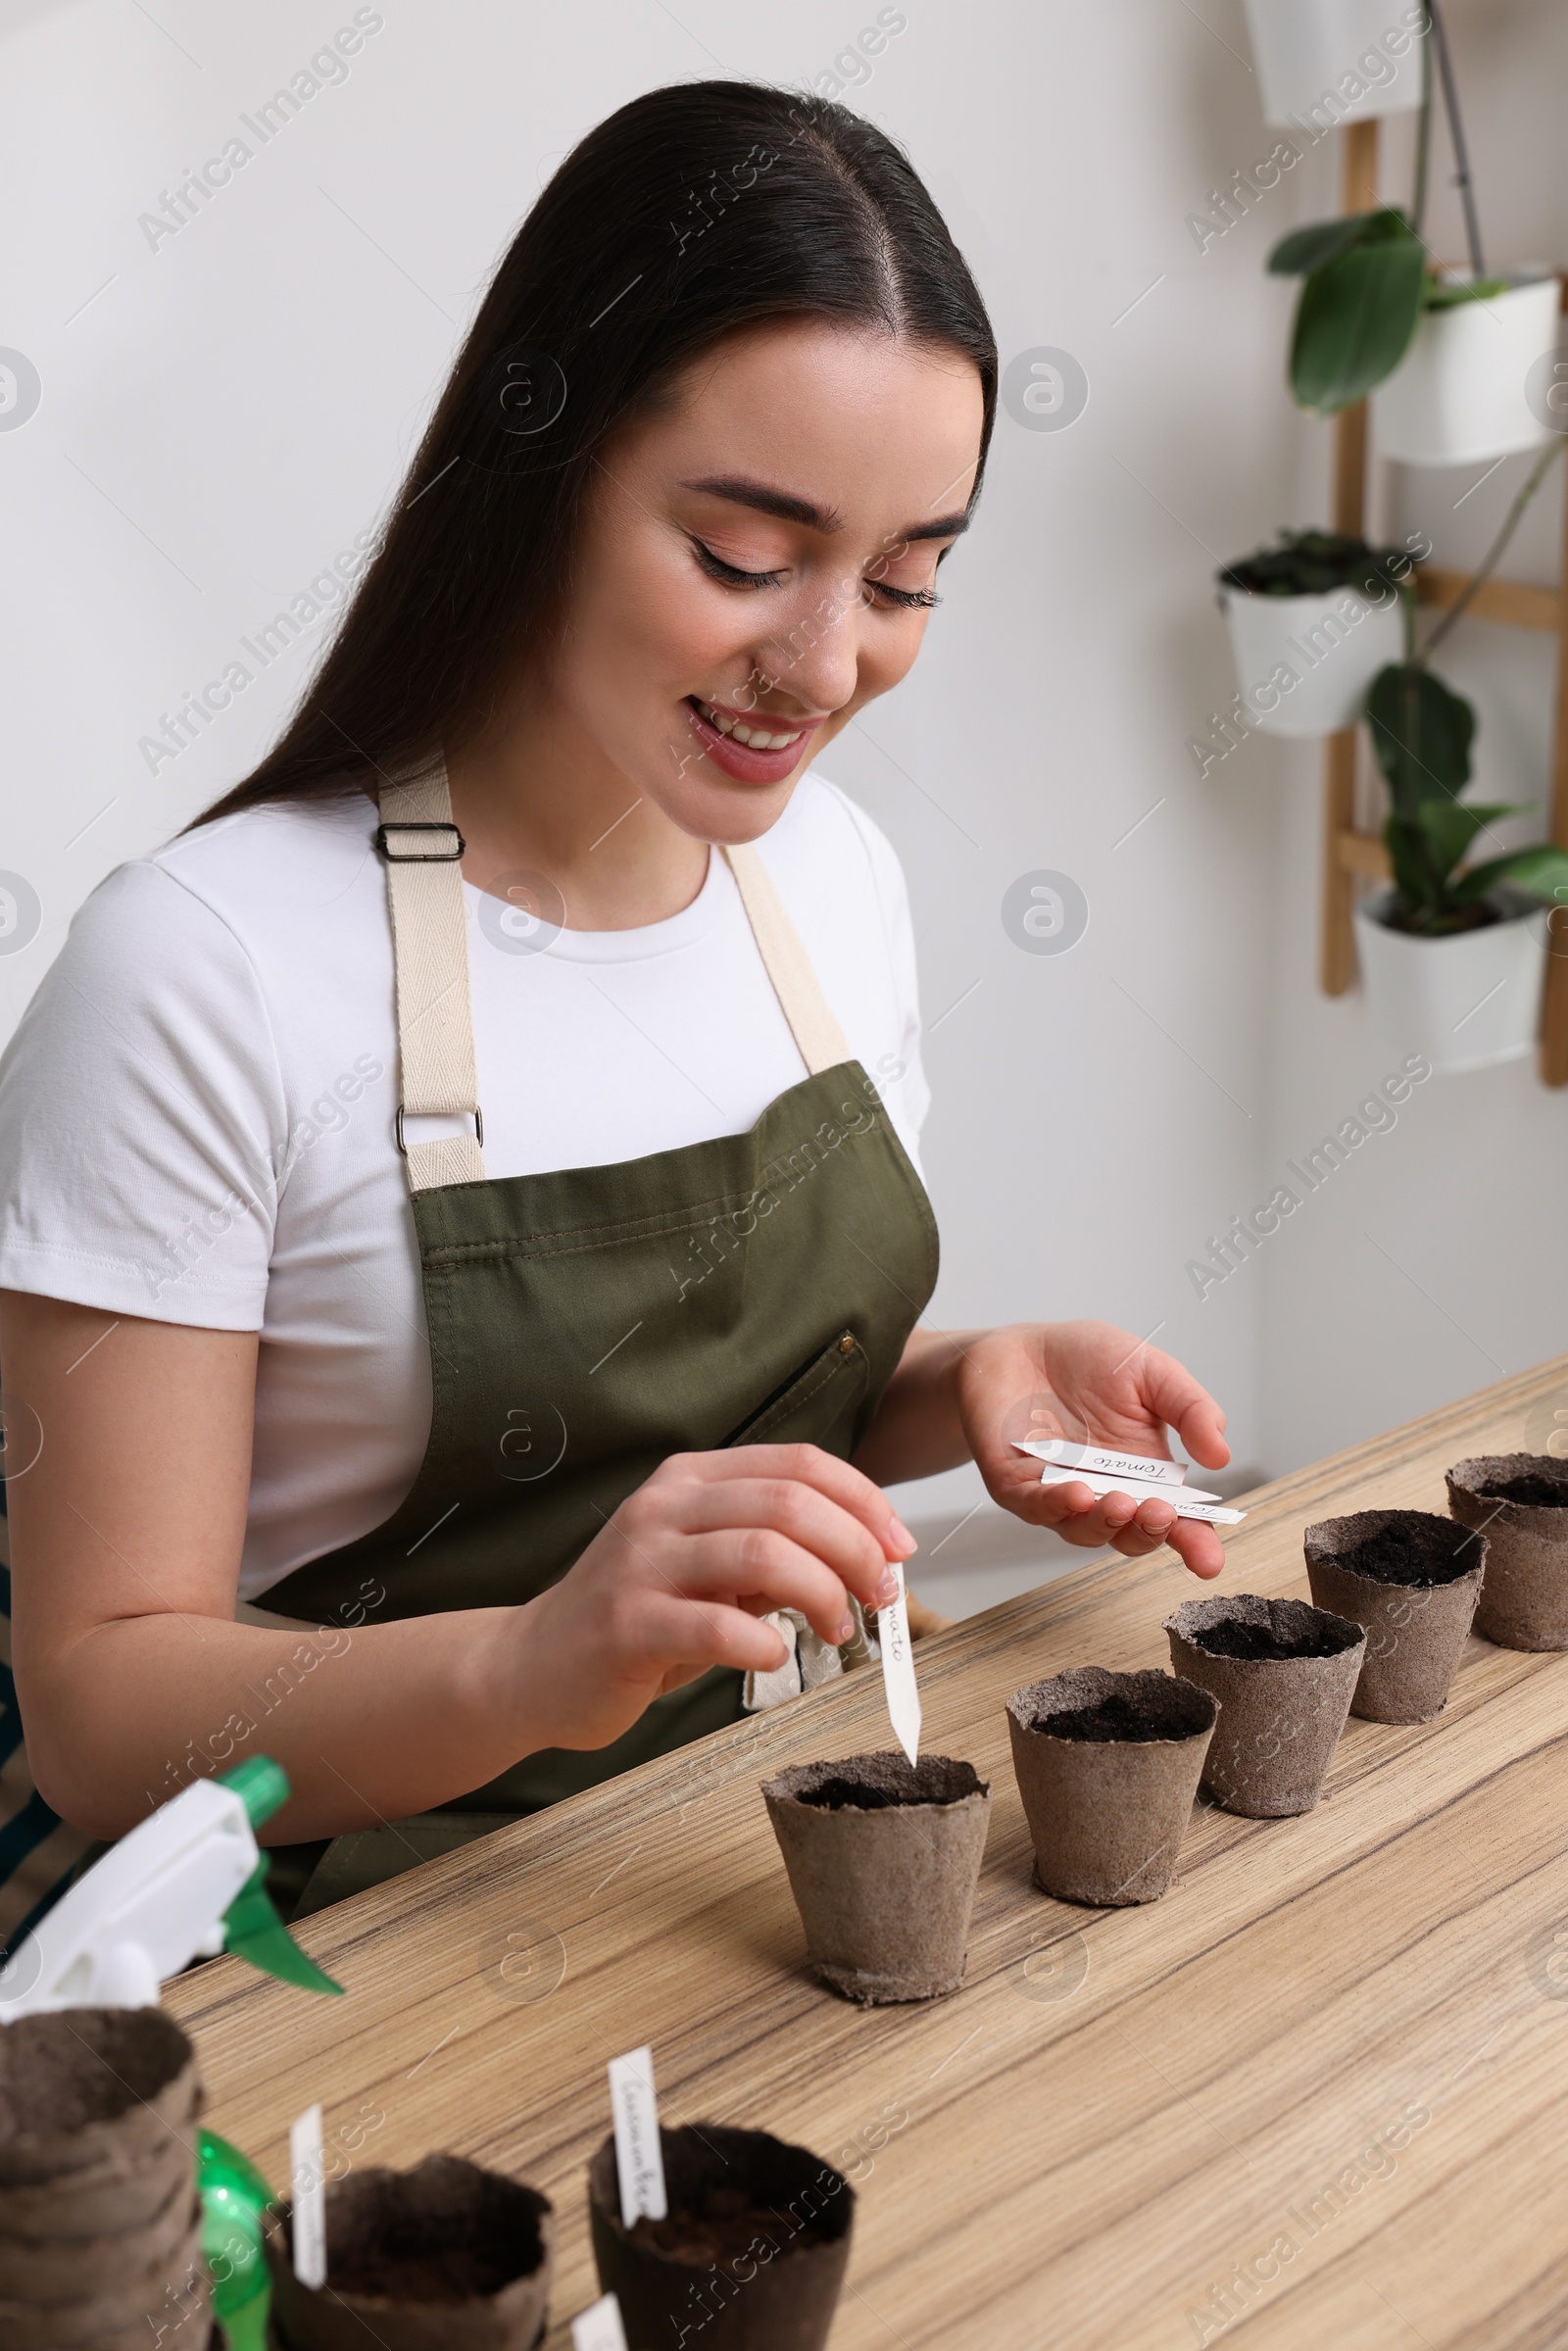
(753, 736)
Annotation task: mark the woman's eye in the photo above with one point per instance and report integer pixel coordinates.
(716, 569)
(923, 600)
(732, 576)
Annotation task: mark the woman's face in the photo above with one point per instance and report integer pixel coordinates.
(758, 561)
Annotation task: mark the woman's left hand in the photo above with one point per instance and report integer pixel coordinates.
(1092, 1384)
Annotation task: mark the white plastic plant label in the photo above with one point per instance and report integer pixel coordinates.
(308, 2189)
(898, 1670)
(1141, 1466)
(639, 2158)
(1188, 1501)
(599, 2326)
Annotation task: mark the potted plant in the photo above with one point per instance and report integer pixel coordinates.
(1411, 1580)
(1518, 1503)
(1452, 955)
(751, 2253)
(1350, 57)
(1445, 351)
(1312, 621)
(883, 1856)
(1107, 1768)
(1283, 1673)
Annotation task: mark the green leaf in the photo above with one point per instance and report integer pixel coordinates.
(1354, 321)
(1413, 877)
(1542, 869)
(1308, 249)
(1448, 827)
(1421, 733)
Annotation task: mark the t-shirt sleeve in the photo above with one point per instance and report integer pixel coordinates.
(143, 1116)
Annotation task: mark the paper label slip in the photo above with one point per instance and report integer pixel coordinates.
(1141, 1466)
(599, 2328)
(1184, 1504)
(898, 1670)
(309, 2191)
(639, 2157)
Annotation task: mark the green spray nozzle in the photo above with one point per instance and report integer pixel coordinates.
(251, 1927)
(261, 1784)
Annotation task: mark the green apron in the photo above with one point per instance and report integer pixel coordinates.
(586, 1323)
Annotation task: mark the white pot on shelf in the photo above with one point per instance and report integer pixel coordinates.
(1303, 663)
(1335, 60)
(1466, 1000)
(1457, 396)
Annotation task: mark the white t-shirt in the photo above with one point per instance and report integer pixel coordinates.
(196, 1114)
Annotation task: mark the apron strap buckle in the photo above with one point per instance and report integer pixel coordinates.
(419, 856)
(478, 1124)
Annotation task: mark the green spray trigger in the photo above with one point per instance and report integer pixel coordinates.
(251, 1927)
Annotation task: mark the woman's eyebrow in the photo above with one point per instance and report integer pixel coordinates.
(765, 500)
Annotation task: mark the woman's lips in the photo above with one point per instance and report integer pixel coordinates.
(741, 759)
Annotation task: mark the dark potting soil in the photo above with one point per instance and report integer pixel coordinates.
(59, 2072)
(1112, 1718)
(460, 2276)
(721, 2228)
(1415, 1550)
(445, 2231)
(1233, 1637)
(1537, 1487)
(1478, 915)
(879, 1782)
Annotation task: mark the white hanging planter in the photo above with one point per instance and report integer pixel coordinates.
(1335, 60)
(1457, 396)
(1465, 1000)
(1303, 663)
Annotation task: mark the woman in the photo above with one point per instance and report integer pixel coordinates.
(462, 1239)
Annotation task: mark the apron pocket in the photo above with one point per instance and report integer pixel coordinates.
(816, 1405)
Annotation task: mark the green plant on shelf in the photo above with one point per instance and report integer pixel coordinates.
(1367, 280)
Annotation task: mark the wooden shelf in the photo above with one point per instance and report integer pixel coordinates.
(1350, 856)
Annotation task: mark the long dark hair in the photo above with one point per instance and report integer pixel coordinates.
(690, 212)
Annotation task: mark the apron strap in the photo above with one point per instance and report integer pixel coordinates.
(813, 1021)
(421, 847)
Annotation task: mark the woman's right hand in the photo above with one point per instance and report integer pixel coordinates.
(676, 1581)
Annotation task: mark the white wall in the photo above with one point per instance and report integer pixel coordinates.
(222, 414)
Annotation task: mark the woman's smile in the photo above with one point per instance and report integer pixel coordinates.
(750, 748)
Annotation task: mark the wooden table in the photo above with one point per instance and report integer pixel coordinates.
(1344, 2038)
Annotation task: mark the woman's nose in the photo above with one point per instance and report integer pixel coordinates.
(816, 660)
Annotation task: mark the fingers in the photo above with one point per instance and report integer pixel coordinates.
(1173, 1395)
(757, 1567)
(790, 1507)
(808, 1465)
(691, 1635)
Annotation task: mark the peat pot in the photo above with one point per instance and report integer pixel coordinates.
(1107, 1766)
(1519, 1503)
(883, 1856)
(100, 2225)
(1283, 1673)
(750, 2256)
(446, 2257)
(1411, 1581)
